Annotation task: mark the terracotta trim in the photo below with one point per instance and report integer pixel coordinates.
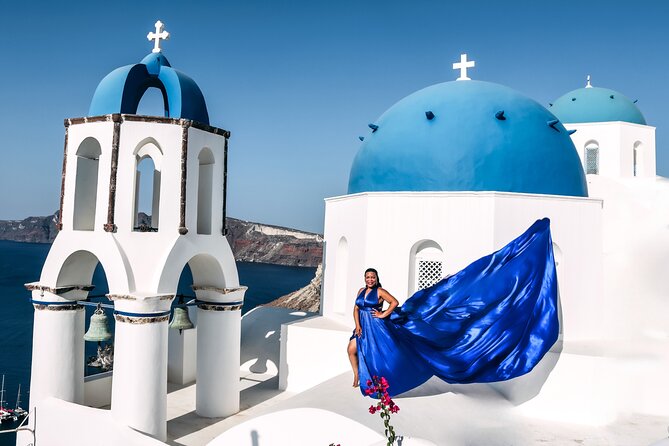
(87, 119)
(219, 307)
(140, 320)
(224, 229)
(58, 307)
(36, 286)
(218, 289)
(59, 225)
(185, 124)
(156, 119)
(111, 206)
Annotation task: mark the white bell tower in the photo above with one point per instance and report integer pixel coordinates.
(99, 224)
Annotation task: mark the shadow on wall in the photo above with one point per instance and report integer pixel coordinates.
(261, 337)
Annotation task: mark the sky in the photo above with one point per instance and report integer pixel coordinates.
(296, 82)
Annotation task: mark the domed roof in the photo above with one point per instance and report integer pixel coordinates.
(468, 136)
(595, 104)
(122, 89)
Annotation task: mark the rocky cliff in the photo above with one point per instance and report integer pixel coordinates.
(307, 298)
(250, 242)
(255, 242)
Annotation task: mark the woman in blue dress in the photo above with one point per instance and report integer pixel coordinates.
(492, 321)
(370, 303)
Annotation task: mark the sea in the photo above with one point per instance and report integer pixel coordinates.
(21, 263)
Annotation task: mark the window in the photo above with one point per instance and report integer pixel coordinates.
(426, 265)
(204, 191)
(147, 187)
(429, 273)
(592, 159)
(86, 185)
(637, 158)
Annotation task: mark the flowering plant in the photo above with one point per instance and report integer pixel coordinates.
(379, 387)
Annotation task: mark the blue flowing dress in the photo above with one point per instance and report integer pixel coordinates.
(492, 321)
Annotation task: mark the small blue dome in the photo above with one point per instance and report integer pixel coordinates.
(594, 104)
(468, 136)
(122, 89)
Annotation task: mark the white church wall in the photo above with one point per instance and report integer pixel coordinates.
(382, 228)
(102, 246)
(636, 253)
(77, 133)
(133, 137)
(576, 229)
(347, 218)
(616, 141)
(199, 140)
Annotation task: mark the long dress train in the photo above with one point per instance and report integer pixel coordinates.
(492, 321)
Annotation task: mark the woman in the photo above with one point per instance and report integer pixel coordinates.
(370, 303)
(492, 321)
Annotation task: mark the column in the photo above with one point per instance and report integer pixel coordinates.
(139, 388)
(218, 350)
(58, 349)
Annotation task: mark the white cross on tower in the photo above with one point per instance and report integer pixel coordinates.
(159, 34)
(462, 66)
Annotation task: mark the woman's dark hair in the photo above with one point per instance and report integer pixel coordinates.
(372, 270)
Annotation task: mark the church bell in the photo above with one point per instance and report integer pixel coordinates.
(98, 329)
(180, 320)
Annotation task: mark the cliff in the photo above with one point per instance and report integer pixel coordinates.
(307, 298)
(250, 242)
(255, 242)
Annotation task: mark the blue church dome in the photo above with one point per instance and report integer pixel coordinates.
(468, 136)
(594, 104)
(122, 89)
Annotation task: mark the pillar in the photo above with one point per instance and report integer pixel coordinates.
(139, 387)
(58, 349)
(218, 351)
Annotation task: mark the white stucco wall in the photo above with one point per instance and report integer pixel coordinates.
(382, 227)
(616, 142)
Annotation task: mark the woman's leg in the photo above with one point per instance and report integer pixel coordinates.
(353, 357)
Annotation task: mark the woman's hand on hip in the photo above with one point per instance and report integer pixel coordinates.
(379, 314)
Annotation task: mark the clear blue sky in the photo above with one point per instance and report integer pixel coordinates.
(296, 82)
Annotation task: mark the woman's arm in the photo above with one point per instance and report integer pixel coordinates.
(356, 318)
(392, 304)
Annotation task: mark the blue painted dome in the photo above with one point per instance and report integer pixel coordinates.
(122, 89)
(468, 136)
(594, 104)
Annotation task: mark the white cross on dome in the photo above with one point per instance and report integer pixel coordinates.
(462, 66)
(157, 36)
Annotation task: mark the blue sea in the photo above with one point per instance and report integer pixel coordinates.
(21, 263)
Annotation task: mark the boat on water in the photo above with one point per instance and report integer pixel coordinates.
(19, 412)
(6, 415)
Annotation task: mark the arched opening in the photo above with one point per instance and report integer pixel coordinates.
(205, 188)
(637, 159)
(201, 270)
(83, 268)
(153, 103)
(592, 158)
(341, 295)
(147, 188)
(86, 184)
(425, 265)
